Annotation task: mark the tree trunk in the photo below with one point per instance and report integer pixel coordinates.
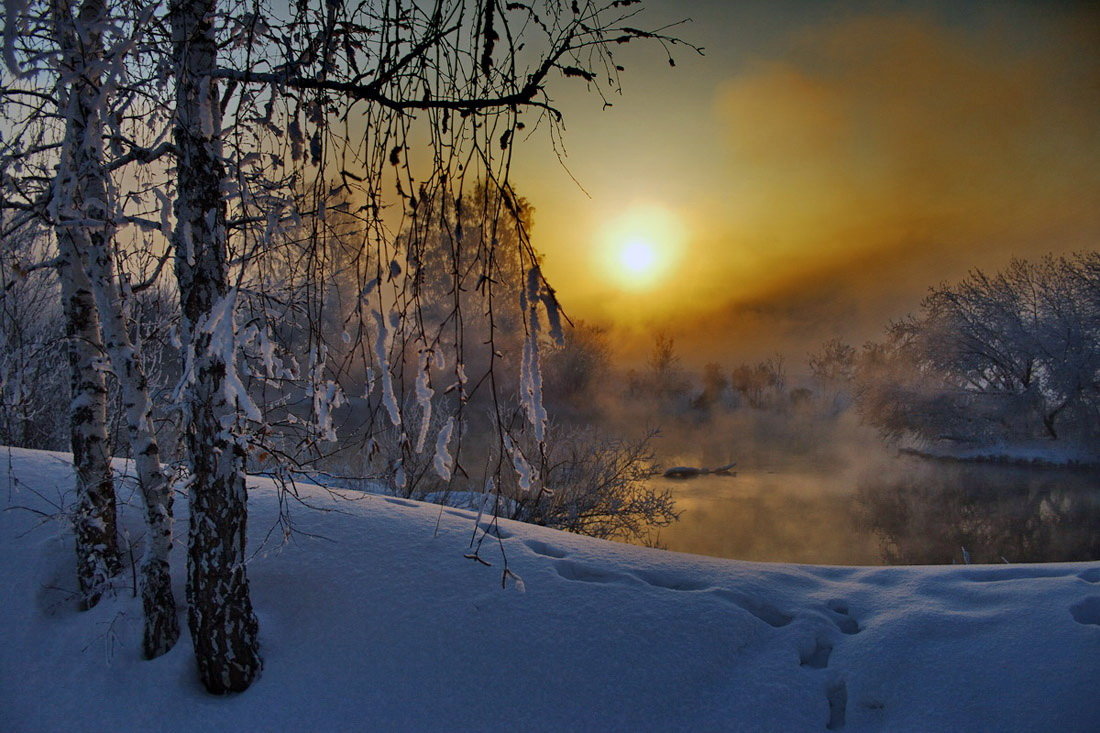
(223, 627)
(162, 627)
(1048, 422)
(89, 257)
(94, 523)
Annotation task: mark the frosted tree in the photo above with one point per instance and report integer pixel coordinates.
(998, 357)
(398, 105)
(91, 242)
(85, 51)
(379, 89)
(223, 626)
(33, 395)
(832, 368)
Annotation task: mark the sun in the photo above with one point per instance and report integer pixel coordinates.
(638, 257)
(640, 246)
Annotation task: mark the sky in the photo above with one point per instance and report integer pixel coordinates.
(817, 169)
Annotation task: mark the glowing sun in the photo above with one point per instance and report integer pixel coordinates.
(641, 246)
(638, 257)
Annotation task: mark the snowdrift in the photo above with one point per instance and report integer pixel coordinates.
(371, 618)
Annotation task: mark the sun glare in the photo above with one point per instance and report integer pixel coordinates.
(641, 246)
(638, 257)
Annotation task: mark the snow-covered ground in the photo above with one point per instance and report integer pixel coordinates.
(372, 619)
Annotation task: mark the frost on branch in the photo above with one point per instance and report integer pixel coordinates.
(530, 372)
(382, 353)
(423, 393)
(443, 460)
(327, 396)
(220, 326)
(525, 475)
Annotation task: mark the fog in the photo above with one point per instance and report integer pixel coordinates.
(814, 483)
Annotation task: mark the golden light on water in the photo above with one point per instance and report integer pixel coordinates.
(641, 246)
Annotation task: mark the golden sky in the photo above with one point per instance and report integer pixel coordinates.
(821, 166)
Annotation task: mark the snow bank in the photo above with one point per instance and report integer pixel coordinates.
(378, 622)
(1039, 453)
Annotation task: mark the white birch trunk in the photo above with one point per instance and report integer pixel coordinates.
(223, 626)
(161, 622)
(95, 518)
(89, 259)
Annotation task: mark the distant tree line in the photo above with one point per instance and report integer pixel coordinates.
(1001, 359)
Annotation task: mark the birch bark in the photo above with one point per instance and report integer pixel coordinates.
(223, 626)
(161, 622)
(95, 524)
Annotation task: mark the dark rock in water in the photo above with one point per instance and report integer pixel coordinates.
(683, 472)
(692, 472)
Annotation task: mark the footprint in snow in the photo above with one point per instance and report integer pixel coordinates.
(1005, 573)
(399, 502)
(494, 530)
(1087, 611)
(1092, 575)
(670, 580)
(818, 656)
(541, 548)
(585, 574)
(837, 695)
(571, 570)
(842, 618)
(767, 613)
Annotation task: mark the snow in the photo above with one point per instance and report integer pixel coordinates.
(480, 502)
(382, 354)
(1033, 453)
(524, 473)
(375, 620)
(443, 459)
(424, 393)
(13, 9)
(530, 371)
(220, 323)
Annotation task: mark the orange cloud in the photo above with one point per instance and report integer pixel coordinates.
(882, 154)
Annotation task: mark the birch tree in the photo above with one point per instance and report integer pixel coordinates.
(94, 239)
(79, 202)
(414, 100)
(95, 522)
(444, 83)
(223, 626)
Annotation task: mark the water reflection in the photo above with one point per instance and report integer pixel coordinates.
(903, 511)
(929, 512)
(801, 516)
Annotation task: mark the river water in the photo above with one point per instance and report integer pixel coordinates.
(902, 510)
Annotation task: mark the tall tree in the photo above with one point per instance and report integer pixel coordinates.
(79, 196)
(85, 50)
(158, 602)
(448, 78)
(223, 626)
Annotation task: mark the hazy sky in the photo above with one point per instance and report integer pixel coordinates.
(821, 166)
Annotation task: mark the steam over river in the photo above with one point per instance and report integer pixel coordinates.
(903, 510)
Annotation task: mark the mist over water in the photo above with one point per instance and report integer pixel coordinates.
(808, 491)
(771, 516)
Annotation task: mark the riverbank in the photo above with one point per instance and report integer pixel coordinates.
(1027, 456)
